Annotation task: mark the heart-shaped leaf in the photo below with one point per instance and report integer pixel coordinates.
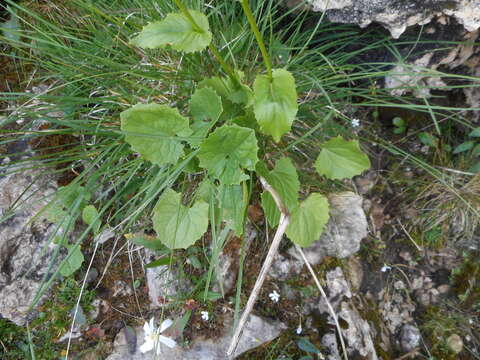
(176, 30)
(227, 151)
(73, 263)
(205, 109)
(151, 130)
(232, 204)
(284, 179)
(91, 217)
(340, 159)
(176, 225)
(275, 102)
(308, 220)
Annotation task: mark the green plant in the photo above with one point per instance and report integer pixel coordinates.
(471, 148)
(400, 125)
(225, 151)
(220, 140)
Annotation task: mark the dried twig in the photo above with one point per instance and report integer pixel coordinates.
(284, 221)
(329, 305)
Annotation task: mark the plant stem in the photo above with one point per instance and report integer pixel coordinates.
(272, 252)
(228, 70)
(324, 295)
(258, 36)
(223, 64)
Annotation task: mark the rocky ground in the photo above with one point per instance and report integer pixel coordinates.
(399, 287)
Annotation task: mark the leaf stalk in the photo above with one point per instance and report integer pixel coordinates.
(258, 36)
(223, 64)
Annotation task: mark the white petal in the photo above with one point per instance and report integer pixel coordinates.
(165, 325)
(147, 329)
(146, 347)
(167, 341)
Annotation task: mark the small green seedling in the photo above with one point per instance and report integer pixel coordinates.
(400, 125)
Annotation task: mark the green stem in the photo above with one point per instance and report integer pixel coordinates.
(258, 36)
(228, 70)
(223, 64)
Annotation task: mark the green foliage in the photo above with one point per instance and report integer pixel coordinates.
(74, 262)
(227, 152)
(400, 125)
(304, 344)
(233, 205)
(229, 90)
(176, 225)
(465, 146)
(428, 139)
(308, 220)
(205, 109)
(340, 159)
(152, 130)
(147, 241)
(178, 31)
(275, 102)
(284, 179)
(54, 319)
(11, 28)
(475, 132)
(91, 217)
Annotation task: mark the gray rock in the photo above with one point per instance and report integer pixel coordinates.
(163, 282)
(357, 333)
(121, 288)
(25, 253)
(80, 318)
(226, 271)
(91, 276)
(409, 338)
(345, 230)
(329, 342)
(257, 331)
(397, 15)
(455, 343)
(283, 267)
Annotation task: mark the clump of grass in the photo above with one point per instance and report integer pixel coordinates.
(453, 209)
(80, 50)
(53, 322)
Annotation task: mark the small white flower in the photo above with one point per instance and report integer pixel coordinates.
(274, 296)
(385, 268)
(299, 329)
(153, 336)
(355, 123)
(204, 315)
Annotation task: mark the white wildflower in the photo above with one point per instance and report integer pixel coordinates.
(153, 336)
(299, 329)
(274, 296)
(385, 268)
(204, 315)
(355, 123)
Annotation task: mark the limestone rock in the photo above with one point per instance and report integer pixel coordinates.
(163, 282)
(24, 249)
(257, 331)
(397, 15)
(409, 338)
(357, 333)
(345, 230)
